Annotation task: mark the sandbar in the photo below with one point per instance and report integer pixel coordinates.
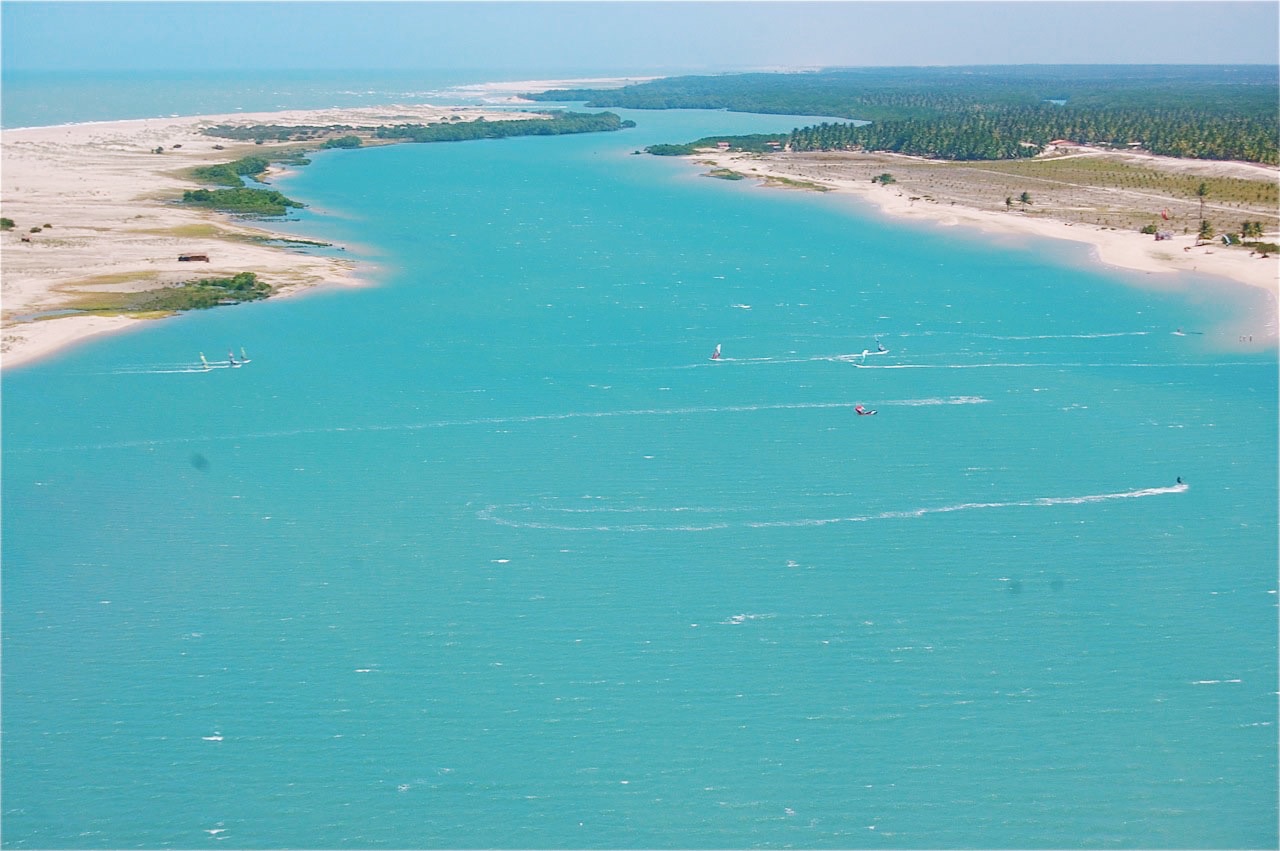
(966, 195)
(94, 212)
(101, 203)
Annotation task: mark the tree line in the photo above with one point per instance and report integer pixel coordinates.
(1012, 133)
(242, 201)
(993, 112)
(559, 124)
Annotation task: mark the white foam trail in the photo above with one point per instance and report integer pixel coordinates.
(502, 515)
(1116, 365)
(1099, 335)
(514, 420)
(857, 361)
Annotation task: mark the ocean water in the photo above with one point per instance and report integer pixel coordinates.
(490, 553)
(42, 98)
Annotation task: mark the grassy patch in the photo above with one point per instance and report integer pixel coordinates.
(726, 174)
(1114, 174)
(109, 280)
(191, 295)
(191, 232)
(789, 183)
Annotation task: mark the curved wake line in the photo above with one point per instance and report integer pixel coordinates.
(516, 420)
(492, 514)
(858, 361)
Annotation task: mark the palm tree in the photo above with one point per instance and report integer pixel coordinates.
(1201, 192)
(1025, 198)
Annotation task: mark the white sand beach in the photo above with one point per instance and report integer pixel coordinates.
(1123, 249)
(101, 201)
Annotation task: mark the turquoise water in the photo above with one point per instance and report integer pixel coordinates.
(490, 553)
(42, 98)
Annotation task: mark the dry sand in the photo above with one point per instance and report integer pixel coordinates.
(103, 201)
(108, 202)
(975, 200)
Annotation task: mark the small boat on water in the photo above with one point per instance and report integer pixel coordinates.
(862, 411)
(716, 354)
(880, 350)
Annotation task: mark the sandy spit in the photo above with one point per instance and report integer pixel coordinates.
(102, 202)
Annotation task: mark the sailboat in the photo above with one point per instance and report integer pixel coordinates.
(204, 363)
(231, 358)
(716, 354)
(243, 357)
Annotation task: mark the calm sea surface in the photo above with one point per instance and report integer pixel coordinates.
(491, 554)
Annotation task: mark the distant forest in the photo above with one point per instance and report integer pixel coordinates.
(558, 124)
(453, 130)
(993, 112)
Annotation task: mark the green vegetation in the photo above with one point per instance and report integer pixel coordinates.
(451, 130)
(561, 123)
(207, 292)
(245, 202)
(192, 295)
(726, 174)
(230, 174)
(6, 224)
(884, 179)
(789, 183)
(278, 132)
(992, 112)
(755, 143)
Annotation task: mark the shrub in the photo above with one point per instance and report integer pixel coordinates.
(249, 202)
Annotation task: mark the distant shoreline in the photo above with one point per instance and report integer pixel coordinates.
(99, 199)
(94, 214)
(917, 195)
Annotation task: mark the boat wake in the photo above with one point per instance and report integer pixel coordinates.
(547, 515)
(169, 369)
(928, 401)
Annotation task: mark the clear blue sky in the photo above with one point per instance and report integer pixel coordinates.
(628, 36)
